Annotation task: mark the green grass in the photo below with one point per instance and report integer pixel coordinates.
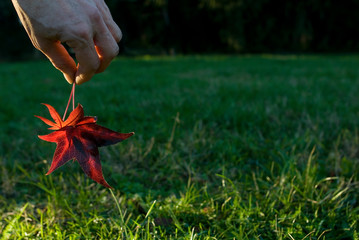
(252, 147)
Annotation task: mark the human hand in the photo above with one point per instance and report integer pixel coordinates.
(84, 25)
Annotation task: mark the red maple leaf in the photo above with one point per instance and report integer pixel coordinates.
(79, 138)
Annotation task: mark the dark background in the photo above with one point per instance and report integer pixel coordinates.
(215, 26)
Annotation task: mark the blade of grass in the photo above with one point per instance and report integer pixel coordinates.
(123, 226)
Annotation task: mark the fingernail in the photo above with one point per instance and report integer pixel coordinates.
(82, 78)
(69, 79)
(79, 80)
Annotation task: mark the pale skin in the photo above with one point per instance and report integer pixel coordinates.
(84, 25)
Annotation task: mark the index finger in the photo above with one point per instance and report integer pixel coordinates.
(59, 57)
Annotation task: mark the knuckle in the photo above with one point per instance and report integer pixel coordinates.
(78, 36)
(94, 14)
(118, 35)
(83, 33)
(115, 30)
(110, 54)
(114, 52)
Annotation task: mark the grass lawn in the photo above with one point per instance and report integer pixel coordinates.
(251, 147)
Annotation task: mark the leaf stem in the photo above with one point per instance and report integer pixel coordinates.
(72, 96)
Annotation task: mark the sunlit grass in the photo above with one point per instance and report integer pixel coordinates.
(252, 147)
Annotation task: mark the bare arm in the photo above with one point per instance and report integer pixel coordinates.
(84, 25)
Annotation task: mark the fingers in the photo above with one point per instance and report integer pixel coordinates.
(88, 62)
(110, 23)
(94, 43)
(114, 29)
(94, 54)
(59, 57)
(106, 37)
(107, 49)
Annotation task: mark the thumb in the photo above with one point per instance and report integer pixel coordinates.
(60, 58)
